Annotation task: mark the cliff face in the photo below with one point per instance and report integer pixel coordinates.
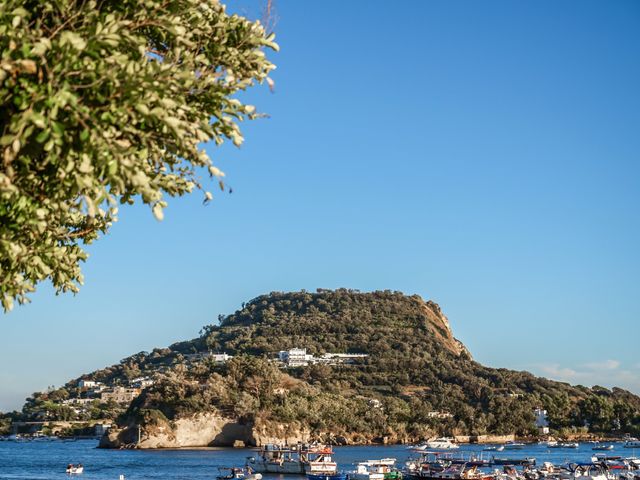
(199, 430)
(441, 328)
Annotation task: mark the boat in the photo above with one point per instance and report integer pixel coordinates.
(333, 476)
(513, 461)
(236, 473)
(632, 443)
(383, 469)
(565, 445)
(494, 448)
(322, 467)
(75, 469)
(589, 471)
(283, 459)
(602, 447)
(429, 461)
(513, 446)
(441, 443)
(456, 471)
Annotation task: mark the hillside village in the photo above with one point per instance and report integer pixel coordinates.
(90, 399)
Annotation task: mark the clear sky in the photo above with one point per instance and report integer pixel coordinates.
(485, 155)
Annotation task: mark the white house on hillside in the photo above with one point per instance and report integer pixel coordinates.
(541, 421)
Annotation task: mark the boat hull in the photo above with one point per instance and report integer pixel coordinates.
(283, 468)
(335, 476)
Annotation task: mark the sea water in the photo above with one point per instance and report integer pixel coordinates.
(47, 460)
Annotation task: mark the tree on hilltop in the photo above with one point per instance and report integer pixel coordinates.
(103, 103)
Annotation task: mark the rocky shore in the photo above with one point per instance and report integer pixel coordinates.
(213, 430)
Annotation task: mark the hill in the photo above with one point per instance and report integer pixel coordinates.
(416, 381)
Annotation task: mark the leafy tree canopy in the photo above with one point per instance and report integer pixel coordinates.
(105, 102)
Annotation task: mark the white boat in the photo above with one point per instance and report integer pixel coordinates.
(565, 445)
(602, 447)
(514, 446)
(235, 473)
(494, 448)
(323, 464)
(373, 469)
(632, 443)
(75, 469)
(590, 472)
(282, 459)
(442, 443)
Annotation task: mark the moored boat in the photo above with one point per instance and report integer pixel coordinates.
(237, 473)
(456, 471)
(334, 476)
(383, 469)
(513, 461)
(283, 459)
(602, 447)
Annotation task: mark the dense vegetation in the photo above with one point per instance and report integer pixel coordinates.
(415, 368)
(105, 103)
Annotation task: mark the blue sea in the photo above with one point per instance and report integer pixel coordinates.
(37, 460)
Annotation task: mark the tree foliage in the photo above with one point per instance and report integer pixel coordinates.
(105, 102)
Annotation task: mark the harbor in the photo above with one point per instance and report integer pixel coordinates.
(48, 461)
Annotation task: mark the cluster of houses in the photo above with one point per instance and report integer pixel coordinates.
(92, 390)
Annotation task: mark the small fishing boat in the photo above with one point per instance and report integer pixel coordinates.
(75, 469)
(602, 447)
(324, 468)
(236, 473)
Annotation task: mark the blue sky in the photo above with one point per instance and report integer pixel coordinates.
(481, 154)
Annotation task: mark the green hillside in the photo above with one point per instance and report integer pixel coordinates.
(417, 380)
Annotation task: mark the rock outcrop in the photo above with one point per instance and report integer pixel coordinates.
(202, 430)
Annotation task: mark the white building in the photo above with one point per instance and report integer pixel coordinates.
(88, 384)
(336, 358)
(541, 421)
(296, 357)
(141, 382)
(221, 357)
(216, 357)
(100, 429)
